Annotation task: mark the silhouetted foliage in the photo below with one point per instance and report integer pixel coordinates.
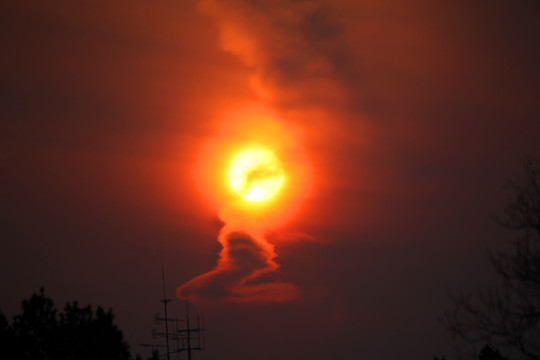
(487, 353)
(38, 333)
(35, 330)
(80, 329)
(6, 337)
(155, 356)
(508, 315)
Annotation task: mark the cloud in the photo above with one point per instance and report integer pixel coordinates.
(240, 275)
(292, 47)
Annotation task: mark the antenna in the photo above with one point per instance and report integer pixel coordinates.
(184, 338)
(165, 301)
(192, 337)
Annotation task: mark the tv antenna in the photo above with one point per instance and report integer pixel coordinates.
(182, 336)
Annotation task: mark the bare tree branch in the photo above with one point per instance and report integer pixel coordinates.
(507, 315)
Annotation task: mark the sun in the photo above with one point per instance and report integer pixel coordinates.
(256, 174)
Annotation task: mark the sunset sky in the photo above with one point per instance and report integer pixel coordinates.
(396, 122)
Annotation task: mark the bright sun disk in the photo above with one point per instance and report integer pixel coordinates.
(256, 174)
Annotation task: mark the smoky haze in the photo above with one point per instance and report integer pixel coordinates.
(410, 113)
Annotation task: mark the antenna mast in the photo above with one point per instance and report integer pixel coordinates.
(166, 319)
(184, 338)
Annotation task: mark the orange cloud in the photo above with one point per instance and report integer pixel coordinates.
(291, 47)
(244, 260)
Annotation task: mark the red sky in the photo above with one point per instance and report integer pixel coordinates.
(410, 115)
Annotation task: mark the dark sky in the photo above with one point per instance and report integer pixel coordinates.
(412, 115)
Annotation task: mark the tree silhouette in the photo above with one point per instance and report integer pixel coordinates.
(35, 330)
(88, 335)
(155, 356)
(6, 337)
(507, 315)
(40, 333)
(488, 353)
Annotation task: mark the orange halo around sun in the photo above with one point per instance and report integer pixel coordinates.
(254, 170)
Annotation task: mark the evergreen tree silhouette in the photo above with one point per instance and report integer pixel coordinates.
(40, 333)
(35, 330)
(6, 337)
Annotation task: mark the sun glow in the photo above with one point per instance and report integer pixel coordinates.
(256, 174)
(247, 198)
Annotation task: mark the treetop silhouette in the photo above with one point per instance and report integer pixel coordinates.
(40, 332)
